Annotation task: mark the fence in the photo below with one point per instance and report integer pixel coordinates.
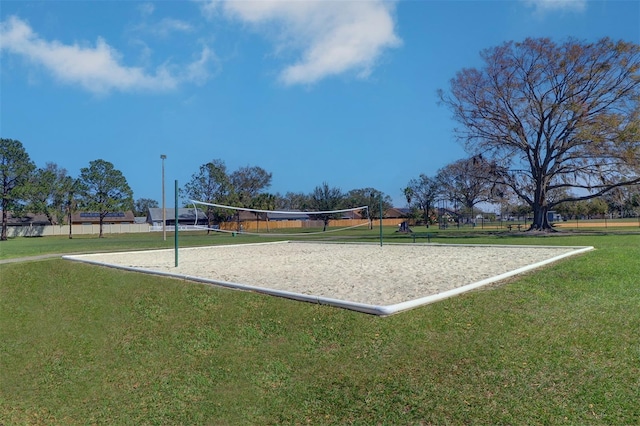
(125, 228)
(50, 230)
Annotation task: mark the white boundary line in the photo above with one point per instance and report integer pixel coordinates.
(381, 310)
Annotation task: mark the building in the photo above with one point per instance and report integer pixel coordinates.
(111, 218)
(290, 215)
(553, 216)
(27, 219)
(397, 213)
(186, 217)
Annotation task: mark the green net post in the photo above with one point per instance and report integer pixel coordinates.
(176, 225)
(380, 220)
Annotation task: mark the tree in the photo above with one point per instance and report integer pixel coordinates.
(211, 185)
(567, 209)
(368, 197)
(547, 117)
(632, 201)
(323, 198)
(46, 191)
(142, 205)
(624, 200)
(70, 190)
(422, 194)
(263, 201)
(466, 182)
(104, 190)
(597, 207)
(248, 182)
(292, 201)
(15, 170)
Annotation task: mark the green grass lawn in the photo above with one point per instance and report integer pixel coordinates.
(36, 246)
(81, 344)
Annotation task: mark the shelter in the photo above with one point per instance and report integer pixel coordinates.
(186, 216)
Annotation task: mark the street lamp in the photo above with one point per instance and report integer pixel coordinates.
(164, 210)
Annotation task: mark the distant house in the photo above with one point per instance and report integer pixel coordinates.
(351, 215)
(245, 215)
(111, 218)
(397, 213)
(186, 216)
(27, 219)
(290, 215)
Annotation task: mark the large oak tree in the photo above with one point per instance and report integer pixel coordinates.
(553, 118)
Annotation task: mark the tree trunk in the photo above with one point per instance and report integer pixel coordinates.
(50, 218)
(70, 225)
(3, 237)
(540, 219)
(209, 220)
(101, 219)
(540, 207)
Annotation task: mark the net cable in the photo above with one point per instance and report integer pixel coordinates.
(196, 202)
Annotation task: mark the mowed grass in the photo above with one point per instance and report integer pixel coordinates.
(485, 233)
(82, 344)
(36, 246)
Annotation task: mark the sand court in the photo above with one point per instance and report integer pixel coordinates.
(380, 280)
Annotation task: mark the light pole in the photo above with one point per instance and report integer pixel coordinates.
(381, 216)
(164, 210)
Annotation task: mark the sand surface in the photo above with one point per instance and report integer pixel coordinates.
(360, 273)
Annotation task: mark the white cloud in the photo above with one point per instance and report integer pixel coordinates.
(164, 27)
(544, 6)
(169, 25)
(199, 70)
(97, 69)
(146, 9)
(328, 37)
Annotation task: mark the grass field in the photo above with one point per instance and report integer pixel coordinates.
(81, 344)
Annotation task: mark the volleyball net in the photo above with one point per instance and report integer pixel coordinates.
(289, 223)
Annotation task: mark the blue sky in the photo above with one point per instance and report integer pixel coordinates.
(342, 92)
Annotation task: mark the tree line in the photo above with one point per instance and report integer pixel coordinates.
(456, 189)
(51, 191)
(103, 189)
(546, 125)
